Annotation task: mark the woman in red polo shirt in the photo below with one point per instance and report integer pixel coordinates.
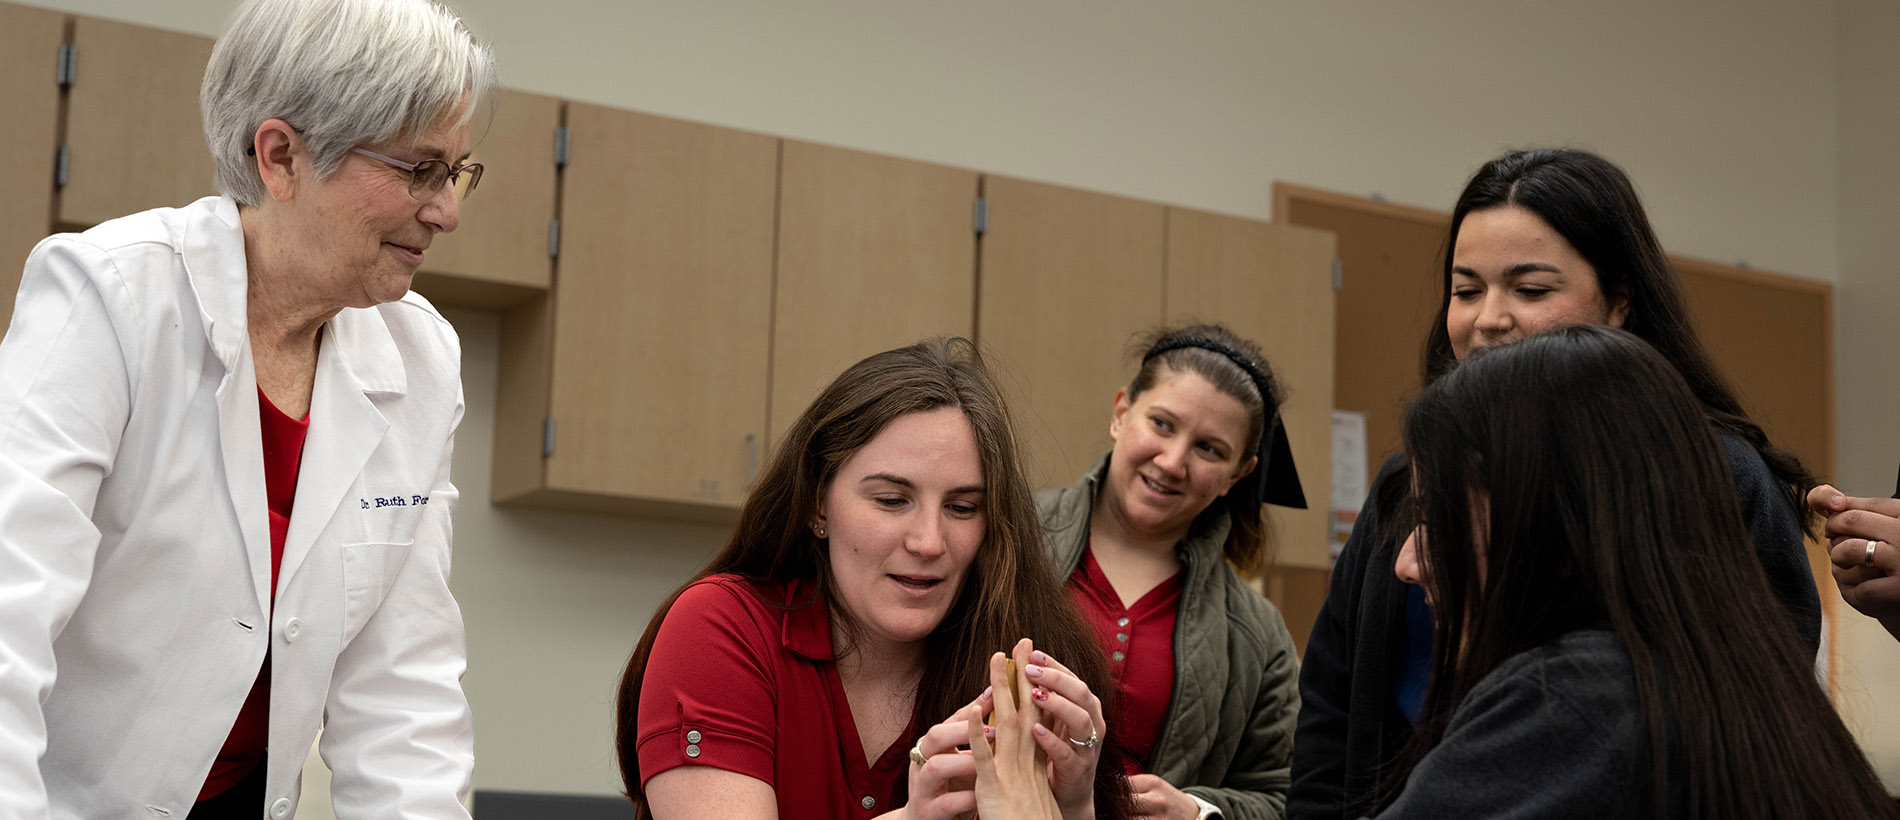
(1206, 675)
(887, 550)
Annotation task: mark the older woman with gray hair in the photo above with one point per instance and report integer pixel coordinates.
(225, 433)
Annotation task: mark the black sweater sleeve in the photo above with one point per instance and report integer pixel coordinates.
(1773, 518)
(1322, 764)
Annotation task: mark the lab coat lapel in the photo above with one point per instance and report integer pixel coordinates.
(357, 358)
(214, 261)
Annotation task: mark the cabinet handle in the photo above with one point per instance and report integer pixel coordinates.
(752, 459)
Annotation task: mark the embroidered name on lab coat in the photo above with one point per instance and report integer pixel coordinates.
(394, 501)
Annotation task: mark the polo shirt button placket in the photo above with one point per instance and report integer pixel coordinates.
(692, 743)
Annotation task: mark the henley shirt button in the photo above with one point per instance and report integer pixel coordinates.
(692, 750)
(292, 628)
(1119, 656)
(1121, 636)
(1121, 622)
(868, 802)
(281, 808)
(693, 736)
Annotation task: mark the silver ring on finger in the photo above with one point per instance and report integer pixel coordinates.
(1869, 560)
(1094, 738)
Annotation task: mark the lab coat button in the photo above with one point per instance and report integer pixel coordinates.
(280, 809)
(292, 629)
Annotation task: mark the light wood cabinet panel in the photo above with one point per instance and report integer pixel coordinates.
(29, 94)
(660, 328)
(1067, 278)
(1772, 338)
(1389, 264)
(499, 254)
(1271, 284)
(132, 123)
(873, 253)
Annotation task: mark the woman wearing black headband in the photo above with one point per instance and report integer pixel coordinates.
(1153, 541)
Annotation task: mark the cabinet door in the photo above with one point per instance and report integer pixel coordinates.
(1389, 256)
(29, 93)
(662, 309)
(873, 253)
(132, 122)
(1271, 284)
(499, 255)
(1068, 277)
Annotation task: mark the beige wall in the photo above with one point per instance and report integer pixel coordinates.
(1750, 126)
(1868, 331)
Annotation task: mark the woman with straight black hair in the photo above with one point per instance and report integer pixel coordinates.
(1539, 239)
(1603, 646)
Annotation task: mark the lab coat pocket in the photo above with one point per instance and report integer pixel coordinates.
(368, 571)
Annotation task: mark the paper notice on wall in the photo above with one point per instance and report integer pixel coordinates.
(1349, 474)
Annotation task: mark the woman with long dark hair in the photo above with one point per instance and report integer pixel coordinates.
(1153, 541)
(887, 550)
(1539, 239)
(1604, 643)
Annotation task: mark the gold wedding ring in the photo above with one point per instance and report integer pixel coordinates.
(917, 755)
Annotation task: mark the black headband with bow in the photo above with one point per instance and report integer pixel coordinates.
(1279, 482)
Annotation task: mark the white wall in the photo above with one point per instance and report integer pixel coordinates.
(1754, 129)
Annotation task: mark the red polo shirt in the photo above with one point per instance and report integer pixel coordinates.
(742, 678)
(1139, 642)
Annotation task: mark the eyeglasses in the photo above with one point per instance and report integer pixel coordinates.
(428, 176)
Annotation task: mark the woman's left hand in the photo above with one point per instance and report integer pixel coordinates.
(1155, 797)
(1071, 731)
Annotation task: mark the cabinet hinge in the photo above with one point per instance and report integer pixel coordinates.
(68, 64)
(982, 217)
(554, 238)
(62, 166)
(547, 437)
(1339, 275)
(560, 146)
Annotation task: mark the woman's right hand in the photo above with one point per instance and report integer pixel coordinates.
(940, 788)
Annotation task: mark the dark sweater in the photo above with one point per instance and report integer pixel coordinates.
(1555, 732)
(1350, 726)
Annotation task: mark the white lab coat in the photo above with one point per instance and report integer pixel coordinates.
(135, 543)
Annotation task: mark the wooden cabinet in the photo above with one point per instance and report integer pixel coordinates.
(134, 134)
(873, 253)
(1067, 277)
(30, 42)
(1271, 284)
(657, 346)
(500, 254)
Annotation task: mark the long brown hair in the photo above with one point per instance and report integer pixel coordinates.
(1248, 532)
(1010, 592)
(1585, 468)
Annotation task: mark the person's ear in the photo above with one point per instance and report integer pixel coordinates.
(1122, 403)
(276, 147)
(1619, 311)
